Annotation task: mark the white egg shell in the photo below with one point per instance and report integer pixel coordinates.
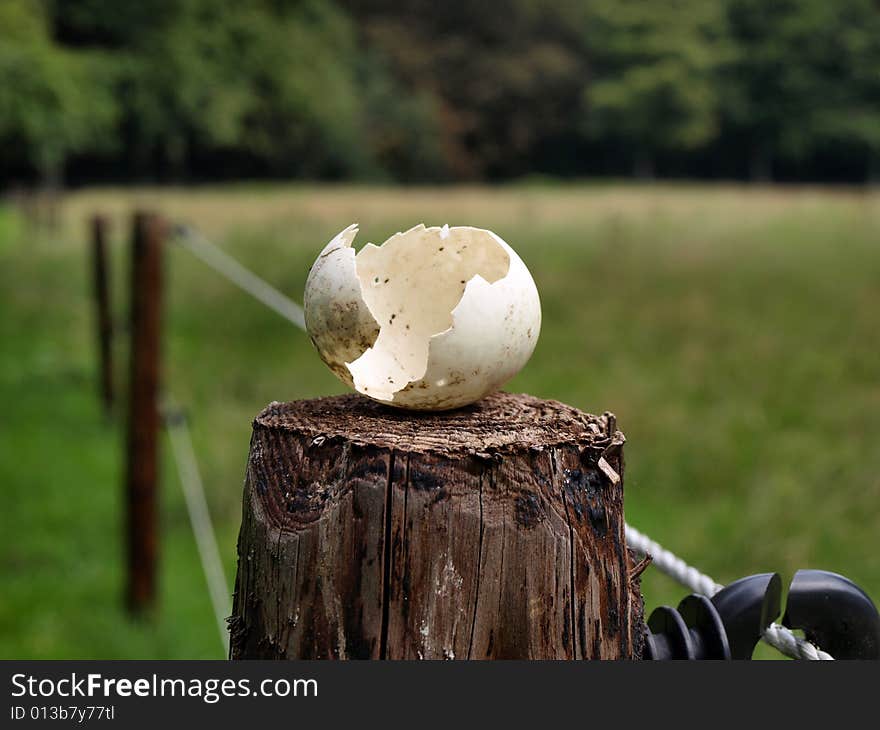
(434, 318)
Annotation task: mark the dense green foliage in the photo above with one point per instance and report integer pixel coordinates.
(421, 90)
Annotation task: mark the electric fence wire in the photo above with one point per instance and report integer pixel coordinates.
(199, 516)
(670, 564)
(226, 266)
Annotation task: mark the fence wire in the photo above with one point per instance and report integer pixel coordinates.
(668, 563)
(233, 271)
(199, 516)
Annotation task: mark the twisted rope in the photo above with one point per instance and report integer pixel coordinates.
(779, 637)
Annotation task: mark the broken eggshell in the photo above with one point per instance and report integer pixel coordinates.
(434, 318)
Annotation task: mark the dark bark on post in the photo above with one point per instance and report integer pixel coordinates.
(143, 416)
(104, 321)
(492, 532)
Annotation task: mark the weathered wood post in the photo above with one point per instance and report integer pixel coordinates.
(492, 532)
(143, 411)
(103, 318)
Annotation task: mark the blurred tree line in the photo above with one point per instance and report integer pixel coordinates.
(421, 90)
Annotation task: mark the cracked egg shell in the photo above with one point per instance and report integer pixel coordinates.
(433, 319)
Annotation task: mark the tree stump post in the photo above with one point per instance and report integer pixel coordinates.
(495, 531)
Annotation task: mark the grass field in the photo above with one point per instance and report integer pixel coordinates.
(733, 331)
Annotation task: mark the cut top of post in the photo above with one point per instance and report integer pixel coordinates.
(499, 422)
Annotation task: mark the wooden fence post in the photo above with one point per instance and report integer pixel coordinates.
(103, 317)
(492, 532)
(143, 411)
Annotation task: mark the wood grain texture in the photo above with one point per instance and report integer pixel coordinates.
(491, 532)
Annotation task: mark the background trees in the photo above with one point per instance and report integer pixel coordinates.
(53, 102)
(654, 71)
(802, 87)
(419, 90)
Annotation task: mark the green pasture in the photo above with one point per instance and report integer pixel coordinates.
(734, 331)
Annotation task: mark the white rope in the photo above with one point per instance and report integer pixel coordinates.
(228, 267)
(670, 564)
(200, 518)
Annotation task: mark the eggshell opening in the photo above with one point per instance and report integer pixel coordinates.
(337, 319)
(434, 318)
(411, 285)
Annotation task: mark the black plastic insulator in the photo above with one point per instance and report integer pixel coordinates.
(747, 607)
(834, 613)
(707, 629)
(693, 631)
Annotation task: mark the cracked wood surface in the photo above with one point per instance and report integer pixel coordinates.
(491, 532)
